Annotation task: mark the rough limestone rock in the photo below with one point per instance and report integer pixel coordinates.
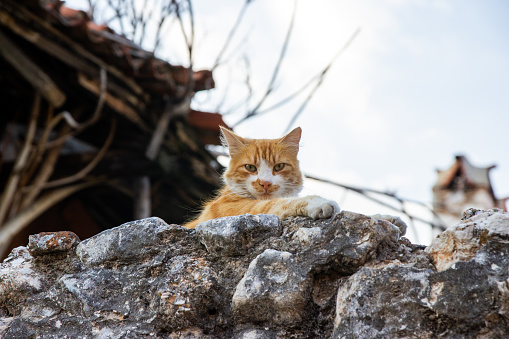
(462, 293)
(468, 239)
(232, 236)
(51, 242)
(274, 290)
(351, 276)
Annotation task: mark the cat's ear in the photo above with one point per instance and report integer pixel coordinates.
(292, 139)
(231, 140)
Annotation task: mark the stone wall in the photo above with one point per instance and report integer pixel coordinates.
(352, 276)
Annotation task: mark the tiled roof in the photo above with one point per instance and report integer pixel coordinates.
(474, 176)
(154, 75)
(62, 38)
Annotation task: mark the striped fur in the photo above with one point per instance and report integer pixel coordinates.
(271, 188)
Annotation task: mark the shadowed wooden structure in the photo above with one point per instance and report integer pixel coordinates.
(95, 130)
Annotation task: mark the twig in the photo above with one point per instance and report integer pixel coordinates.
(91, 9)
(102, 98)
(31, 72)
(82, 173)
(159, 133)
(162, 21)
(21, 160)
(145, 19)
(142, 200)
(290, 97)
(29, 170)
(7, 138)
(78, 127)
(13, 226)
(134, 19)
(45, 171)
(241, 102)
(189, 39)
(118, 15)
(231, 34)
(320, 76)
(365, 191)
(282, 54)
(226, 90)
(320, 79)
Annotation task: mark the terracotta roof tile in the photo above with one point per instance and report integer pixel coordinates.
(124, 54)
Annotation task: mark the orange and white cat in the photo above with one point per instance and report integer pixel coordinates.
(264, 177)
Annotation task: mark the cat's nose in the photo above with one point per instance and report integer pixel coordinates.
(265, 185)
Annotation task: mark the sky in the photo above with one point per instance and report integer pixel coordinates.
(423, 81)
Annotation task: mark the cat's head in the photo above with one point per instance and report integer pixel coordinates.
(263, 168)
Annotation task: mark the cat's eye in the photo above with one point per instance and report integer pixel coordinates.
(250, 168)
(279, 167)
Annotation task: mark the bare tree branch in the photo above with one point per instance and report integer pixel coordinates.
(231, 34)
(45, 171)
(7, 139)
(21, 160)
(159, 133)
(24, 218)
(188, 37)
(82, 173)
(165, 14)
(282, 54)
(364, 192)
(317, 79)
(320, 79)
(118, 13)
(78, 127)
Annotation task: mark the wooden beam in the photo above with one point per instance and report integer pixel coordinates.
(41, 205)
(20, 14)
(31, 72)
(75, 60)
(115, 103)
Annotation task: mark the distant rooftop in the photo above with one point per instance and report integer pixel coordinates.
(474, 176)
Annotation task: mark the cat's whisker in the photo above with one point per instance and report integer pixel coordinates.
(263, 176)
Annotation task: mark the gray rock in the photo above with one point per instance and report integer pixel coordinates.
(126, 243)
(463, 241)
(51, 242)
(466, 296)
(19, 279)
(273, 291)
(255, 333)
(399, 301)
(343, 243)
(389, 302)
(351, 276)
(396, 221)
(232, 236)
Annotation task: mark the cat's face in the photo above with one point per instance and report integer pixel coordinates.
(263, 169)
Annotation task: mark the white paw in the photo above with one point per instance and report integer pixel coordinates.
(320, 208)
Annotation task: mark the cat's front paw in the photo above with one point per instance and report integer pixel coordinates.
(320, 208)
